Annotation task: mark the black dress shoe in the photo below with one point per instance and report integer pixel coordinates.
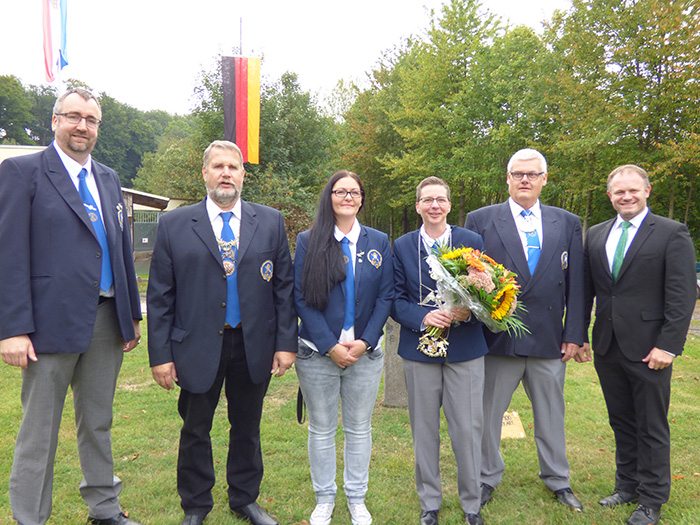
(566, 497)
(486, 493)
(429, 517)
(255, 514)
(473, 519)
(644, 515)
(119, 519)
(193, 519)
(619, 498)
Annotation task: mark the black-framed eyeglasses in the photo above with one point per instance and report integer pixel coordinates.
(428, 201)
(341, 194)
(74, 119)
(518, 175)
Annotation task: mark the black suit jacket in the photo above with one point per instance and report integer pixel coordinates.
(651, 302)
(50, 262)
(187, 294)
(553, 296)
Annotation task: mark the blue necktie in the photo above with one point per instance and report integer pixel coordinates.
(533, 245)
(233, 308)
(107, 277)
(349, 319)
(620, 250)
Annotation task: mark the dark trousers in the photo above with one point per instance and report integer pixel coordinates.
(244, 467)
(638, 399)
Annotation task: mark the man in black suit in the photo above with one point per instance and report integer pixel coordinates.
(544, 246)
(639, 267)
(70, 307)
(220, 310)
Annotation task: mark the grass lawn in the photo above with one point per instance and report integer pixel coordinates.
(146, 430)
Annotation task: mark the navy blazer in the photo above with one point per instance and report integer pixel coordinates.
(50, 258)
(466, 340)
(187, 294)
(651, 302)
(553, 296)
(374, 292)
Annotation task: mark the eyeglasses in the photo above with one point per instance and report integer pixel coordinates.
(518, 175)
(428, 201)
(341, 194)
(74, 119)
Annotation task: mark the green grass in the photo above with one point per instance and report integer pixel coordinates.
(146, 431)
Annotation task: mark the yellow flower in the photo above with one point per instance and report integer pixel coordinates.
(503, 301)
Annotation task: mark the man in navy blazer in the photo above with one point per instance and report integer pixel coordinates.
(455, 382)
(522, 233)
(70, 307)
(192, 342)
(639, 268)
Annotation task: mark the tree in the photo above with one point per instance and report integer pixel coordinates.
(15, 112)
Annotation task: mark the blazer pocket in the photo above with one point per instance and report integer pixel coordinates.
(652, 315)
(177, 334)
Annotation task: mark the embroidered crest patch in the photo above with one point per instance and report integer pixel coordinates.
(266, 270)
(374, 258)
(564, 260)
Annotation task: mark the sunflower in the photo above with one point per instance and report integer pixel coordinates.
(503, 301)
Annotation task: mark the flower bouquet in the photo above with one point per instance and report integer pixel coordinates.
(467, 278)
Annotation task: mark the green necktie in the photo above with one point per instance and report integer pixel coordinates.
(620, 250)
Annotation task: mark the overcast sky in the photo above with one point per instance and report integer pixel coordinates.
(149, 53)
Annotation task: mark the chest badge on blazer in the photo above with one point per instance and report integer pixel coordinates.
(266, 270)
(374, 258)
(120, 216)
(564, 260)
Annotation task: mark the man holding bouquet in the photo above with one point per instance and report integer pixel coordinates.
(455, 381)
(544, 246)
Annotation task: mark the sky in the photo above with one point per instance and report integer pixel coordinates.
(150, 53)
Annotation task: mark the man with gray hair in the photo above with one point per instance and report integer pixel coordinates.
(221, 311)
(544, 246)
(70, 307)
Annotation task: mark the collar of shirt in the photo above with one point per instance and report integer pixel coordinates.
(73, 168)
(428, 241)
(616, 233)
(353, 236)
(217, 223)
(636, 221)
(516, 209)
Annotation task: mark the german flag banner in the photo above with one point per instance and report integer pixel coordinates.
(241, 86)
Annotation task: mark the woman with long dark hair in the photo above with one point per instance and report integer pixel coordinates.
(343, 291)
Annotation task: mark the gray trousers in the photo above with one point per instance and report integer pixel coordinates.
(92, 376)
(543, 381)
(458, 389)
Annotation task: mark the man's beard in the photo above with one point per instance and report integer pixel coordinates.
(223, 197)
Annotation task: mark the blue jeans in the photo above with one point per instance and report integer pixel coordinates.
(324, 384)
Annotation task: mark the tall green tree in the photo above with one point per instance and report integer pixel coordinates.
(15, 112)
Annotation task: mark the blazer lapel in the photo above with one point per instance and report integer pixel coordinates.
(108, 205)
(646, 229)
(598, 249)
(58, 175)
(249, 223)
(202, 228)
(360, 260)
(508, 232)
(551, 231)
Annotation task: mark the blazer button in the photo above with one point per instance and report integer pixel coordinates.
(95, 284)
(221, 332)
(224, 276)
(357, 303)
(223, 305)
(98, 255)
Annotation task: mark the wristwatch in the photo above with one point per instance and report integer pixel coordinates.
(370, 349)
